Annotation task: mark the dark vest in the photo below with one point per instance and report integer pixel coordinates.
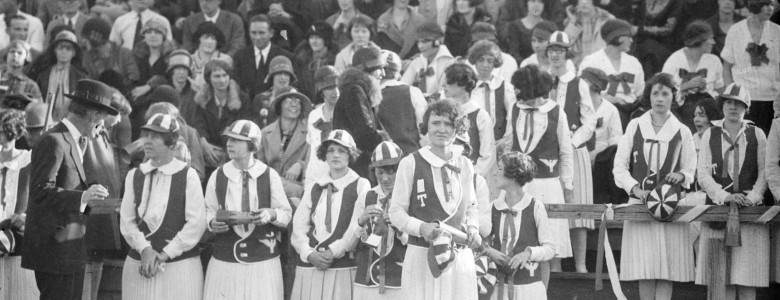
(262, 244)
(748, 172)
(425, 205)
(500, 127)
(547, 150)
(368, 267)
(174, 218)
(527, 236)
(348, 200)
(397, 116)
(572, 110)
(473, 136)
(639, 167)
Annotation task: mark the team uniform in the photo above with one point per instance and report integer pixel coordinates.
(480, 136)
(15, 282)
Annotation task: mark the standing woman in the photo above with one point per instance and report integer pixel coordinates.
(519, 32)
(573, 95)
(163, 216)
(17, 283)
(361, 31)
(655, 253)
(740, 180)
(314, 52)
(722, 21)
(245, 259)
(320, 121)
(538, 127)
(320, 225)
(435, 184)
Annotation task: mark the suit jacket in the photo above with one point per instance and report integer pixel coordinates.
(231, 25)
(271, 148)
(80, 20)
(249, 77)
(55, 226)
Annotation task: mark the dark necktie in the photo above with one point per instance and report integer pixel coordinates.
(487, 99)
(445, 180)
(654, 144)
(528, 132)
(83, 140)
(138, 25)
(261, 61)
(734, 148)
(329, 201)
(70, 23)
(245, 195)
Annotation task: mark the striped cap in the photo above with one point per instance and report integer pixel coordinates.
(7, 242)
(162, 123)
(342, 137)
(559, 38)
(244, 130)
(736, 92)
(386, 154)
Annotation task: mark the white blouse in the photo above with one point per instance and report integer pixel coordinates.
(13, 166)
(611, 129)
(546, 249)
(487, 142)
(677, 61)
(628, 64)
(315, 168)
(762, 81)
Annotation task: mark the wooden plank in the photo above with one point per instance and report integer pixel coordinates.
(716, 270)
(640, 213)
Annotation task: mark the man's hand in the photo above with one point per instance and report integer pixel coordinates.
(293, 172)
(95, 192)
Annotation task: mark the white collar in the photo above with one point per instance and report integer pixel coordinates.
(168, 169)
(745, 123)
(73, 19)
(339, 183)
(494, 83)
(264, 51)
(443, 52)
(667, 132)
(380, 193)
(234, 174)
(19, 161)
(500, 203)
(547, 106)
(72, 129)
(214, 18)
(389, 83)
(438, 162)
(568, 76)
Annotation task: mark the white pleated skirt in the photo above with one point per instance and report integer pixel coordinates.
(180, 280)
(457, 281)
(583, 186)
(749, 263)
(775, 252)
(17, 283)
(656, 250)
(372, 293)
(550, 191)
(533, 291)
(331, 284)
(261, 280)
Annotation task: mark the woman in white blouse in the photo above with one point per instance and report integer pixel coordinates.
(320, 121)
(163, 217)
(655, 253)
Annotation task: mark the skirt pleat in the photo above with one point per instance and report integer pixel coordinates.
(180, 280)
(775, 252)
(261, 280)
(749, 263)
(17, 283)
(372, 293)
(532, 291)
(550, 191)
(331, 284)
(583, 186)
(656, 250)
(457, 281)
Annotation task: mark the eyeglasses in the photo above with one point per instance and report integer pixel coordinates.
(295, 101)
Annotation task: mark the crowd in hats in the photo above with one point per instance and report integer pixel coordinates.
(380, 149)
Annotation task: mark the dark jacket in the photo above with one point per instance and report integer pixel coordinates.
(210, 124)
(306, 66)
(246, 73)
(229, 23)
(458, 33)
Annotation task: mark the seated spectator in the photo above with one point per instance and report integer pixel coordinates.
(178, 74)
(126, 31)
(229, 23)
(70, 15)
(281, 76)
(283, 146)
(342, 22)
(721, 22)
(437, 11)
(314, 52)
(485, 31)
(102, 54)
(654, 35)
(583, 25)
(150, 55)
(18, 28)
(252, 61)
(361, 32)
(539, 41)
(519, 33)
(35, 35)
(12, 78)
(209, 39)
(426, 71)
(287, 34)
(397, 29)
(48, 10)
(511, 11)
(457, 33)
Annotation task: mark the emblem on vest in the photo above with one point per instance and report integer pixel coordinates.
(714, 168)
(574, 127)
(269, 241)
(636, 153)
(421, 195)
(550, 163)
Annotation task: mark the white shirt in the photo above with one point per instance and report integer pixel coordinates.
(441, 61)
(21, 160)
(610, 131)
(264, 52)
(315, 168)
(546, 249)
(478, 95)
(487, 141)
(762, 81)
(628, 64)
(581, 135)
(36, 35)
(153, 206)
(677, 61)
(234, 194)
(72, 19)
(123, 30)
(214, 18)
(705, 171)
(507, 68)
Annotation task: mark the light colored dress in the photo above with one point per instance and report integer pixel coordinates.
(773, 182)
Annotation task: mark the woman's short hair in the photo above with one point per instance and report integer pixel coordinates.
(530, 83)
(754, 7)
(216, 64)
(361, 20)
(13, 123)
(169, 138)
(482, 48)
(461, 75)
(662, 79)
(518, 166)
(710, 108)
(322, 150)
(449, 110)
(696, 33)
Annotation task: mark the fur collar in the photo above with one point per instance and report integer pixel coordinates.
(206, 94)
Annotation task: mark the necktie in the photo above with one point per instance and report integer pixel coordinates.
(488, 108)
(3, 173)
(735, 167)
(245, 195)
(508, 244)
(83, 142)
(445, 180)
(70, 23)
(654, 144)
(138, 25)
(528, 131)
(331, 189)
(260, 61)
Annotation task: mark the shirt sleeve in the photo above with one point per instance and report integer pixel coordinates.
(127, 217)
(772, 159)
(756, 194)
(566, 152)
(36, 34)
(487, 144)
(212, 204)
(687, 156)
(301, 225)
(704, 172)
(727, 54)
(472, 211)
(623, 178)
(411, 72)
(195, 213)
(546, 249)
(279, 202)
(402, 191)
(419, 104)
(483, 204)
(587, 117)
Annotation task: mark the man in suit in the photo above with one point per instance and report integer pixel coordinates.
(251, 63)
(71, 16)
(60, 196)
(229, 23)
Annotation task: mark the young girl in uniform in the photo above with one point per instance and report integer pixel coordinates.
(434, 189)
(245, 259)
(538, 127)
(320, 226)
(381, 249)
(163, 217)
(656, 145)
(731, 169)
(521, 234)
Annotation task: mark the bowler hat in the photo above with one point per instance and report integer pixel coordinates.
(35, 115)
(94, 94)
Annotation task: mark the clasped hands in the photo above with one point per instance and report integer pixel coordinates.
(152, 262)
(261, 217)
(513, 262)
(321, 259)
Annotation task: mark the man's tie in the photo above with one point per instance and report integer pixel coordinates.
(735, 168)
(261, 61)
(138, 25)
(488, 108)
(70, 23)
(83, 140)
(445, 180)
(329, 201)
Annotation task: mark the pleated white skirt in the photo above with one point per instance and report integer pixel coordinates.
(457, 281)
(583, 186)
(533, 291)
(180, 280)
(17, 283)
(749, 263)
(775, 252)
(261, 280)
(372, 293)
(549, 190)
(656, 250)
(331, 284)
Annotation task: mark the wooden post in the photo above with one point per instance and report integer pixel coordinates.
(733, 236)
(718, 258)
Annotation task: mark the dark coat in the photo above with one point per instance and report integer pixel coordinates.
(458, 33)
(245, 71)
(54, 233)
(210, 124)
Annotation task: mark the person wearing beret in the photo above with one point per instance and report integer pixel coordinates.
(126, 29)
(208, 39)
(60, 195)
(102, 54)
(314, 52)
(13, 80)
(229, 23)
(426, 71)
